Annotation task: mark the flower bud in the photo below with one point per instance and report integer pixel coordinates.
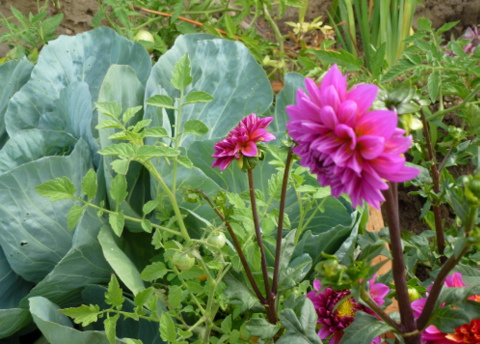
(413, 294)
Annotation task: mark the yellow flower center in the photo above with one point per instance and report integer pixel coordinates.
(345, 308)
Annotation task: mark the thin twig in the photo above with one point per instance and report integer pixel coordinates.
(436, 188)
(281, 216)
(270, 307)
(237, 246)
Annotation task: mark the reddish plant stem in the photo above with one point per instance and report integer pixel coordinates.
(270, 306)
(444, 271)
(281, 216)
(436, 188)
(408, 324)
(238, 248)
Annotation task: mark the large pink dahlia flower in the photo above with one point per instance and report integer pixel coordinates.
(242, 141)
(336, 309)
(351, 149)
(465, 334)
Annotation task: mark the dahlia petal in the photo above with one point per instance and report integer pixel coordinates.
(404, 174)
(336, 338)
(313, 90)
(455, 280)
(347, 112)
(336, 79)
(364, 96)
(330, 97)
(378, 122)
(324, 332)
(250, 149)
(317, 285)
(378, 291)
(329, 117)
(398, 144)
(371, 146)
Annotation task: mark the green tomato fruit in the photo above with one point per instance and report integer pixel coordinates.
(217, 240)
(146, 39)
(413, 294)
(144, 35)
(183, 261)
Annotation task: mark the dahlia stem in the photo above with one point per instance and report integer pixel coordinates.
(444, 271)
(281, 216)
(436, 188)
(398, 263)
(237, 246)
(379, 311)
(270, 305)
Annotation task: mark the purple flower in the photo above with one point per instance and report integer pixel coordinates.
(336, 309)
(474, 37)
(468, 333)
(352, 150)
(242, 141)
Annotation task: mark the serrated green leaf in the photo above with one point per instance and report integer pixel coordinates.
(342, 57)
(117, 221)
(124, 150)
(120, 166)
(447, 26)
(114, 294)
(260, 327)
(149, 152)
(154, 271)
(142, 297)
(231, 30)
(182, 71)
(161, 101)
(74, 215)
(110, 109)
(110, 325)
(57, 189)
(167, 328)
(364, 329)
(132, 341)
(198, 97)
(108, 123)
(130, 112)
(89, 184)
(433, 85)
(227, 324)
(141, 124)
(195, 127)
(175, 297)
(149, 207)
(185, 161)
(84, 315)
(118, 188)
(300, 326)
(155, 132)
(146, 225)
(275, 185)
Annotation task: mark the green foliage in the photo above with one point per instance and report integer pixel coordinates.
(26, 35)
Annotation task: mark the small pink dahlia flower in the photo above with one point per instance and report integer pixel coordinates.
(242, 140)
(351, 149)
(465, 334)
(336, 309)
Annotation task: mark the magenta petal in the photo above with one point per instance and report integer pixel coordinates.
(250, 149)
(404, 174)
(324, 332)
(371, 146)
(334, 78)
(329, 117)
(364, 96)
(347, 112)
(379, 122)
(455, 280)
